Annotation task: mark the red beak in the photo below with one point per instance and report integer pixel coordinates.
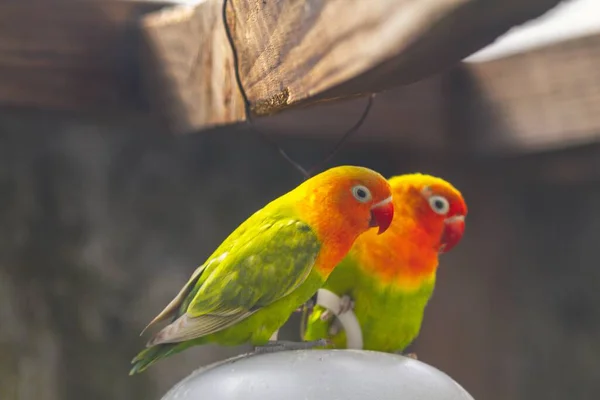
(453, 233)
(382, 215)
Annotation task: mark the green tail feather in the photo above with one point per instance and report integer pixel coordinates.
(149, 356)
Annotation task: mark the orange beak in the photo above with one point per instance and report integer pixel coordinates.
(453, 232)
(382, 215)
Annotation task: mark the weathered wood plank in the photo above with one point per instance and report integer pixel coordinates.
(188, 67)
(71, 55)
(296, 52)
(539, 100)
(413, 115)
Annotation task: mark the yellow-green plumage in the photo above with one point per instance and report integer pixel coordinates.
(271, 264)
(391, 277)
(250, 310)
(390, 317)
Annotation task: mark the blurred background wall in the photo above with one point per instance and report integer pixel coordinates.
(101, 222)
(103, 218)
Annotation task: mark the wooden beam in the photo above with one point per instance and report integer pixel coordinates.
(413, 116)
(74, 55)
(540, 100)
(69, 54)
(298, 52)
(188, 67)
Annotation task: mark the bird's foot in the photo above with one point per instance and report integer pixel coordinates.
(409, 355)
(335, 327)
(326, 315)
(346, 304)
(284, 345)
(309, 305)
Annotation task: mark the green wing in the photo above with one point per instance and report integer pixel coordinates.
(171, 309)
(264, 264)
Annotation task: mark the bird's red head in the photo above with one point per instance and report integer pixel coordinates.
(446, 204)
(434, 206)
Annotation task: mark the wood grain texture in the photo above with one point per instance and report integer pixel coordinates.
(413, 116)
(70, 55)
(188, 67)
(298, 52)
(73, 55)
(540, 100)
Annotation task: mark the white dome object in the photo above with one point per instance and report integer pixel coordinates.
(318, 375)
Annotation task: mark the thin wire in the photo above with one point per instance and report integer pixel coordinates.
(248, 111)
(346, 135)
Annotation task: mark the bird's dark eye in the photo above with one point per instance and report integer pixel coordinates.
(361, 193)
(439, 204)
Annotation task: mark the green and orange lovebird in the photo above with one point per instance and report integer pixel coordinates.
(272, 264)
(389, 279)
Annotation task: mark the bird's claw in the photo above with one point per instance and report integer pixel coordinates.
(346, 304)
(326, 315)
(284, 345)
(309, 305)
(335, 327)
(409, 355)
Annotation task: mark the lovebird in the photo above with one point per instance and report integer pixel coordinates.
(272, 264)
(388, 280)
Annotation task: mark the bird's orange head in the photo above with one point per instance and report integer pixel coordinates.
(340, 204)
(348, 199)
(437, 204)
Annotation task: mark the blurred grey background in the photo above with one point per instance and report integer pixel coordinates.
(103, 218)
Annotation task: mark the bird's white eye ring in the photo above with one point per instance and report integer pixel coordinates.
(361, 193)
(439, 204)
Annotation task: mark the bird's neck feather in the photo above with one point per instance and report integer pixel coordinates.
(406, 254)
(335, 231)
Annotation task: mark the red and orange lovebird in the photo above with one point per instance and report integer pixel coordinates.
(272, 264)
(389, 279)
